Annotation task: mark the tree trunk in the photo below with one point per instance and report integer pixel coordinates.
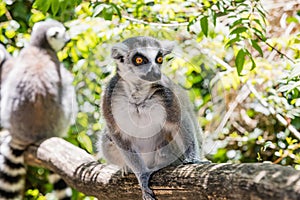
(214, 181)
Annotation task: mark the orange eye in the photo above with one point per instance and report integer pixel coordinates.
(159, 59)
(139, 60)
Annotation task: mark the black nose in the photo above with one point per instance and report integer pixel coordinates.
(152, 76)
(68, 40)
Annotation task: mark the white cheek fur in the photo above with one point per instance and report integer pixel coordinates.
(58, 42)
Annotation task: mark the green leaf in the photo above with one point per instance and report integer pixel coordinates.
(240, 60)
(219, 5)
(232, 41)
(204, 25)
(42, 5)
(243, 5)
(106, 10)
(251, 58)
(253, 63)
(260, 34)
(2, 8)
(85, 141)
(292, 19)
(262, 12)
(54, 7)
(116, 8)
(82, 119)
(236, 22)
(98, 9)
(10, 33)
(191, 22)
(38, 4)
(81, 45)
(63, 4)
(214, 16)
(257, 21)
(262, 27)
(108, 13)
(238, 30)
(239, 1)
(245, 11)
(257, 47)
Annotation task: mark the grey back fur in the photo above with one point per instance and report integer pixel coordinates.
(6, 65)
(38, 98)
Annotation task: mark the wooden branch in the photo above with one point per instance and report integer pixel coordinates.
(213, 181)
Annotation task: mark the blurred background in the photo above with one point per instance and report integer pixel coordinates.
(237, 58)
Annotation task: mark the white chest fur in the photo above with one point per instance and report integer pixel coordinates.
(140, 120)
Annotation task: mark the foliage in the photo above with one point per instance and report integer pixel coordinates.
(223, 54)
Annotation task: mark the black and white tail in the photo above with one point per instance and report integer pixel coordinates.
(60, 189)
(13, 173)
(12, 170)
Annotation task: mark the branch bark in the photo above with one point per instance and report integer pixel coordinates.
(214, 181)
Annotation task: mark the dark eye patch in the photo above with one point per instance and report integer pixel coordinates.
(159, 58)
(55, 34)
(139, 59)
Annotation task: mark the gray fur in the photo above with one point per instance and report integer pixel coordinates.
(6, 65)
(38, 35)
(38, 98)
(150, 121)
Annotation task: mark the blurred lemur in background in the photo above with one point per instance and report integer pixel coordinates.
(37, 102)
(150, 121)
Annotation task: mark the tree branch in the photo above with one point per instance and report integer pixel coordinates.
(215, 181)
(273, 48)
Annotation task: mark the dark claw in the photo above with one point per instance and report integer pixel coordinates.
(148, 194)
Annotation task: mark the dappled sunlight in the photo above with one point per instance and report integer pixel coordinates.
(237, 60)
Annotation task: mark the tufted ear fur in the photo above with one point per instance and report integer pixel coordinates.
(119, 51)
(167, 46)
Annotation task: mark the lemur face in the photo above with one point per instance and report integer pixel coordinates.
(57, 37)
(49, 33)
(146, 63)
(140, 58)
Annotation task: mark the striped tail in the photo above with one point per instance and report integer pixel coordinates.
(60, 189)
(12, 170)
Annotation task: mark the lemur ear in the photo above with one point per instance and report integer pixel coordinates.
(118, 51)
(167, 46)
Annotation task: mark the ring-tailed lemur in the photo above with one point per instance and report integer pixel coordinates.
(6, 65)
(149, 119)
(38, 101)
